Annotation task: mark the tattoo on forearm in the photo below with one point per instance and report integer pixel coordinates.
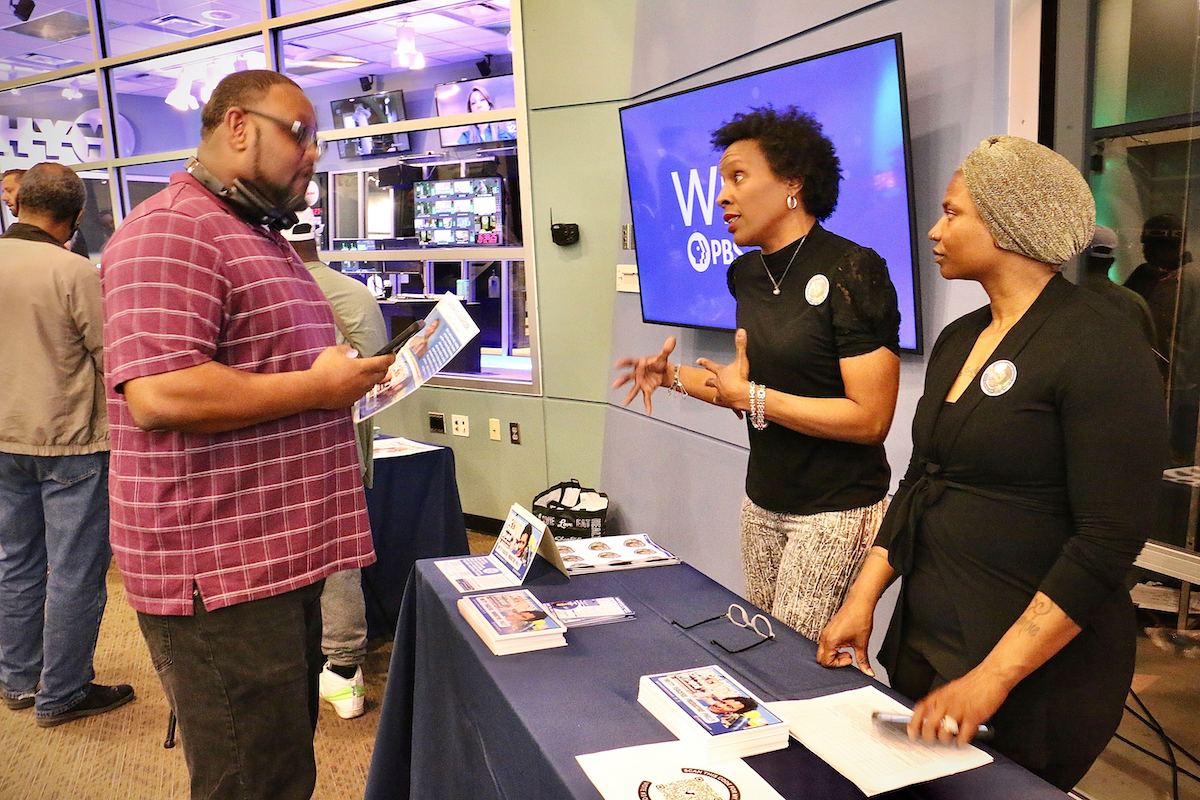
(1038, 608)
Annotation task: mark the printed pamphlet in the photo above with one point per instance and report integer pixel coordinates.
(408, 373)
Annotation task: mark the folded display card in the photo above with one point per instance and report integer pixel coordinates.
(522, 537)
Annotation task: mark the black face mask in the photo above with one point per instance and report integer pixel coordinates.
(254, 203)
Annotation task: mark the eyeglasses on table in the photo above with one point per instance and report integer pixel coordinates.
(738, 615)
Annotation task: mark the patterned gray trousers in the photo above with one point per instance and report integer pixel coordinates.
(799, 566)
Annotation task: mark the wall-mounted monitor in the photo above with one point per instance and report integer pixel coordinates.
(370, 109)
(460, 211)
(683, 247)
(473, 97)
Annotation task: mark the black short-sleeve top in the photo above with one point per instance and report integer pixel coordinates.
(835, 301)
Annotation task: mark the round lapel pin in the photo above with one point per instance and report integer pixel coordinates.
(998, 378)
(816, 290)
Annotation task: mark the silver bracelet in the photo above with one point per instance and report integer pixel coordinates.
(677, 385)
(758, 406)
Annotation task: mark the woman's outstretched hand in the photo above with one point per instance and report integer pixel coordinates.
(646, 374)
(732, 380)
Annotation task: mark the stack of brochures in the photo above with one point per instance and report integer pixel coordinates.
(706, 707)
(606, 553)
(596, 611)
(512, 622)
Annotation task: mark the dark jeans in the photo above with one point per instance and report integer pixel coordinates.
(242, 681)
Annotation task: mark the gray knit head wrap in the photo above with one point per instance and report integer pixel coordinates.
(1033, 201)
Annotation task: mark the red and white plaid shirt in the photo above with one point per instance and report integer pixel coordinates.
(246, 514)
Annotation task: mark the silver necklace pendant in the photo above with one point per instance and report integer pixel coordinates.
(777, 283)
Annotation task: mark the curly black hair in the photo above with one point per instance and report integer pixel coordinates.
(795, 148)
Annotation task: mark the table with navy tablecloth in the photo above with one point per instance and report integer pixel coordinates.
(459, 722)
(415, 513)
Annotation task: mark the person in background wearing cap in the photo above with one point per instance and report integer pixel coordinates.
(360, 324)
(1038, 448)
(1097, 262)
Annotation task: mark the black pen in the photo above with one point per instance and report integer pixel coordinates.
(900, 722)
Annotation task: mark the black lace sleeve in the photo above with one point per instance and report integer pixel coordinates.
(863, 302)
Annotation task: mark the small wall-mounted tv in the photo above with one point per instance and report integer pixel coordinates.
(370, 109)
(683, 248)
(461, 211)
(471, 97)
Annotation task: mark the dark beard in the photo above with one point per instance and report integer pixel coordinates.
(280, 197)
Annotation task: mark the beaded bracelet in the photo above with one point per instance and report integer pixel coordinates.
(758, 406)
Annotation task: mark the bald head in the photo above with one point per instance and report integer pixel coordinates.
(53, 192)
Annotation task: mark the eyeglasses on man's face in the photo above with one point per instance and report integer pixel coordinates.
(304, 135)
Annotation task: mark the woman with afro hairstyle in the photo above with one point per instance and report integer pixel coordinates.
(815, 371)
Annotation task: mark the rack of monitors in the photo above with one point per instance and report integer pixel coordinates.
(459, 211)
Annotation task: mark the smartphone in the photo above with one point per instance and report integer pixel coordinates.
(900, 723)
(400, 338)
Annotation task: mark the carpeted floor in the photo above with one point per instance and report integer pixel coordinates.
(120, 754)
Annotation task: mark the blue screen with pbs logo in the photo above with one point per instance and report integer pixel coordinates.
(683, 247)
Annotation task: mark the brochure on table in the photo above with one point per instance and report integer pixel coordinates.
(838, 728)
(670, 771)
(607, 553)
(593, 611)
(512, 622)
(408, 373)
(707, 706)
(522, 537)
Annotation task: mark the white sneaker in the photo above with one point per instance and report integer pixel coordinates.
(346, 695)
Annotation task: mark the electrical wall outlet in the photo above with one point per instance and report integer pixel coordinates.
(494, 429)
(460, 425)
(514, 432)
(437, 422)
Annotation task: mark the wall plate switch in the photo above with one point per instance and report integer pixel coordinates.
(437, 422)
(460, 425)
(514, 432)
(494, 429)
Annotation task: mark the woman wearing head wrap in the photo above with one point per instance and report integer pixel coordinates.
(1037, 451)
(816, 369)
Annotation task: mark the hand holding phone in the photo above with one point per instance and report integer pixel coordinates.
(399, 339)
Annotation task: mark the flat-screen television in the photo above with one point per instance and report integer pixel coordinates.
(460, 211)
(370, 109)
(683, 248)
(473, 97)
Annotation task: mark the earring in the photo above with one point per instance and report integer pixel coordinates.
(792, 202)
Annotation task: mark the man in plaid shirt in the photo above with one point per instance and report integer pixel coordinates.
(235, 485)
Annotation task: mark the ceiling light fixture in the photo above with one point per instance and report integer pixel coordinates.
(407, 56)
(72, 91)
(180, 98)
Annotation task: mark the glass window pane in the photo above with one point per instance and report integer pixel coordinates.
(55, 36)
(421, 38)
(145, 180)
(345, 207)
(54, 121)
(161, 98)
(464, 197)
(97, 224)
(134, 26)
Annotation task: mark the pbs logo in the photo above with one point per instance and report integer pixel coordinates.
(703, 252)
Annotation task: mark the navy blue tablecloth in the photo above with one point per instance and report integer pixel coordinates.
(415, 513)
(458, 722)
